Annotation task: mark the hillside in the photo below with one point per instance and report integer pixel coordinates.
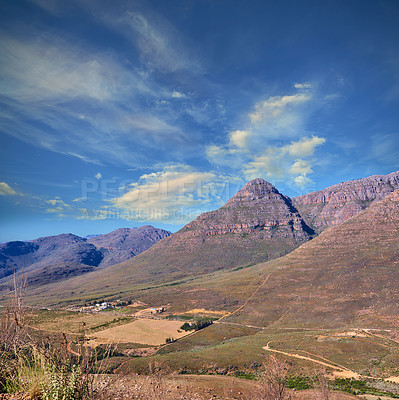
(49, 258)
(256, 224)
(340, 202)
(346, 276)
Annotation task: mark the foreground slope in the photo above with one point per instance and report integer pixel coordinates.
(340, 202)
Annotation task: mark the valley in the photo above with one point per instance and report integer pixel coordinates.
(324, 300)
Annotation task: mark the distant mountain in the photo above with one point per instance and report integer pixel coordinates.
(49, 258)
(125, 243)
(340, 202)
(53, 258)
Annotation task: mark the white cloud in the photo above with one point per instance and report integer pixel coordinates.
(56, 210)
(304, 147)
(267, 166)
(276, 118)
(239, 138)
(178, 95)
(6, 190)
(173, 194)
(300, 167)
(275, 106)
(261, 149)
(58, 207)
(305, 85)
(221, 155)
(303, 182)
(79, 199)
(284, 163)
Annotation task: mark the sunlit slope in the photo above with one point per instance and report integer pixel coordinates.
(347, 275)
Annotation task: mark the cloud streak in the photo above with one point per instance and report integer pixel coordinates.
(6, 190)
(84, 104)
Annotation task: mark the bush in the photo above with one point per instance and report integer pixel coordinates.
(64, 385)
(200, 324)
(299, 382)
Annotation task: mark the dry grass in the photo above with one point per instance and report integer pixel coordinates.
(72, 322)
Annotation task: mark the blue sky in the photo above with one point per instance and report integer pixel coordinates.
(124, 113)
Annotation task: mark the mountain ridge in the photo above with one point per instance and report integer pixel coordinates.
(337, 203)
(62, 256)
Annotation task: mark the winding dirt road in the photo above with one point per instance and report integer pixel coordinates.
(343, 371)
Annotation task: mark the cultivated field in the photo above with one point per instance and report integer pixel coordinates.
(145, 331)
(75, 322)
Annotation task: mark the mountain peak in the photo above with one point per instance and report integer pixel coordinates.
(254, 190)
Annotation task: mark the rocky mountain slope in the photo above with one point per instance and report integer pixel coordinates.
(52, 258)
(257, 224)
(347, 276)
(340, 202)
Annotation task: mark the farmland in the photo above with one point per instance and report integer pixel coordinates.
(144, 331)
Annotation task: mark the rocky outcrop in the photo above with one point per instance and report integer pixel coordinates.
(338, 203)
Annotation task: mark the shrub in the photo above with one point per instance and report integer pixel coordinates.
(64, 385)
(200, 324)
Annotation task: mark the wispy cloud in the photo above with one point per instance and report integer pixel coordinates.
(161, 46)
(68, 99)
(7, 190)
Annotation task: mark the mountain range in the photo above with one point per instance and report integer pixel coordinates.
(54, 258)
(248, 235)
